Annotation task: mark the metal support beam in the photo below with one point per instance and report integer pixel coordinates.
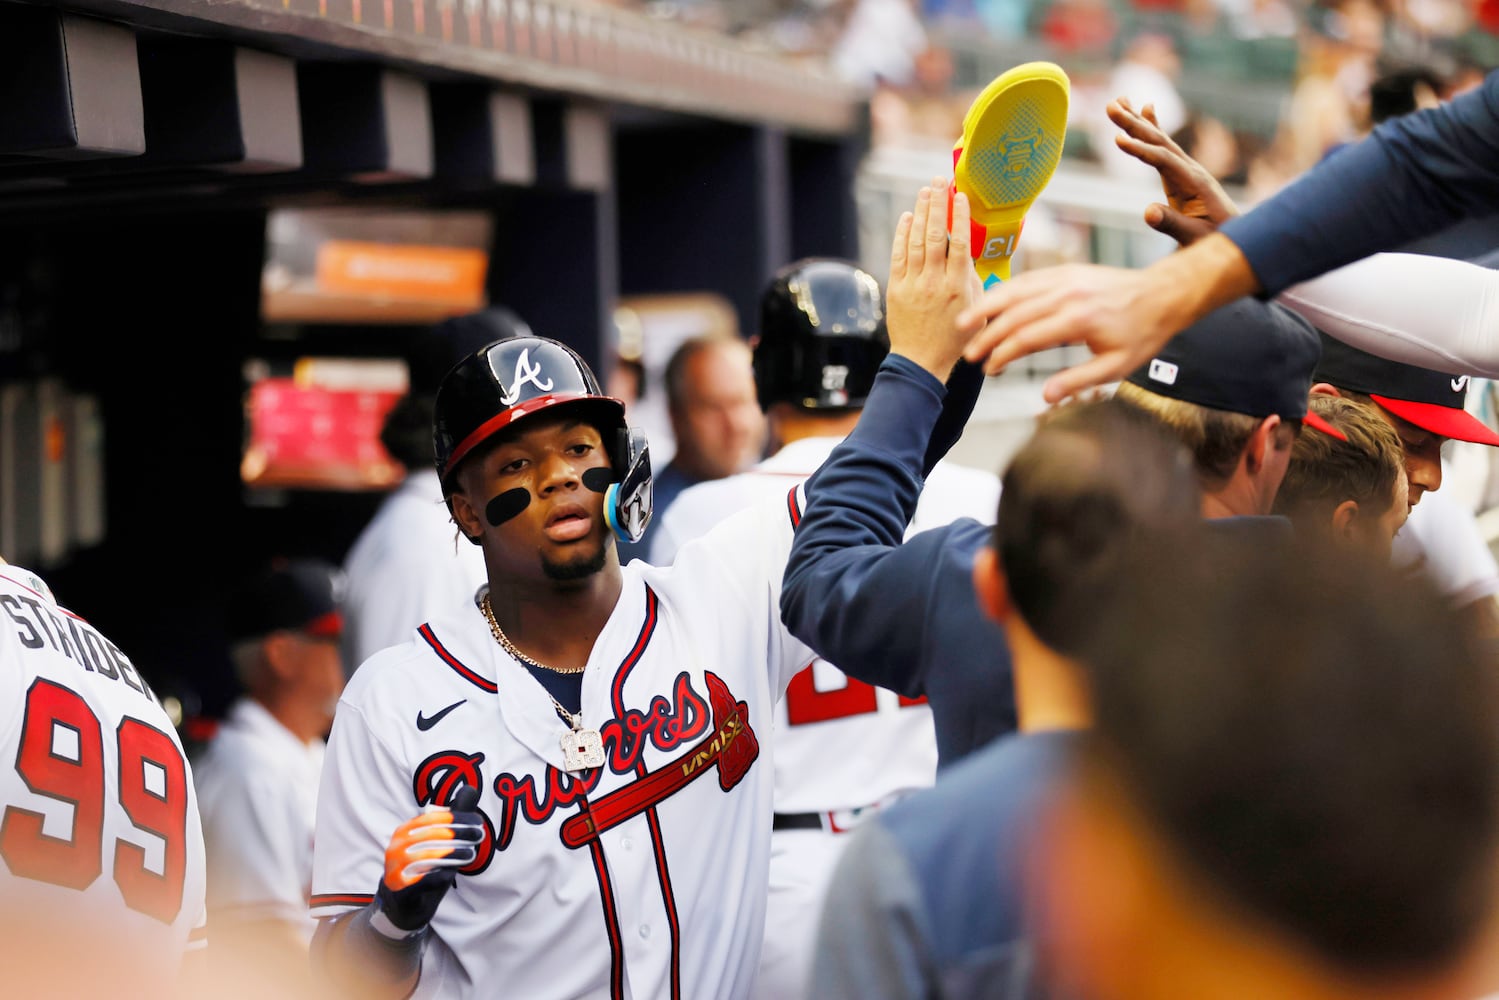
(69, 86)
(370, 124)
(212, 104)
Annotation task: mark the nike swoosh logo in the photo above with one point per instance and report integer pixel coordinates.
(426, 722)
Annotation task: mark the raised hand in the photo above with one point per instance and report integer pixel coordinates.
(1196, 203)
(932, 280)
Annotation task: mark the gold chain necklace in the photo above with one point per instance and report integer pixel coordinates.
(509, 647)
(582, 748)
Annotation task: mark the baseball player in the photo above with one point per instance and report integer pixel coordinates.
(259, 777)
(557, 789)
(100, 841)
(843, 747)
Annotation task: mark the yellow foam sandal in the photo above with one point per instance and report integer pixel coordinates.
(1012, 140)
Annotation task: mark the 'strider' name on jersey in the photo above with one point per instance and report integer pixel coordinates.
(38, 626)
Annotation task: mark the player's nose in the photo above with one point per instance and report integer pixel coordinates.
(557, 473)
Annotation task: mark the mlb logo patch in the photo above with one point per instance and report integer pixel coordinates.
(1163, 371)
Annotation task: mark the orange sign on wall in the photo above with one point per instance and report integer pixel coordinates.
(446, 276)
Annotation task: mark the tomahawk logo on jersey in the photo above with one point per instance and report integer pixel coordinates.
(645, 876)
(100, 818)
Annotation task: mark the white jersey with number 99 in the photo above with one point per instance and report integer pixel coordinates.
(100, 838)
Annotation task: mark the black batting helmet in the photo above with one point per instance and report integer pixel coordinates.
(516, 378)
(822, 336)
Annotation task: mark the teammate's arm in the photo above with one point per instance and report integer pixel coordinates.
(1431, 312)
(1414, 175)
(377, 950)
(852, 591)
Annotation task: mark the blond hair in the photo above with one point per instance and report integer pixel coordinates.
(1215, 438)
(1324, 472)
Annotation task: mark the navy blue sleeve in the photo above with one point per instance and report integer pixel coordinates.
(1414, 175)
(852, 591)
(963, 387)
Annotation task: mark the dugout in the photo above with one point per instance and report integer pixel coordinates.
(150, 151)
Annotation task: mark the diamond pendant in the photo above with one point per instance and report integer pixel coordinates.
(582, 749)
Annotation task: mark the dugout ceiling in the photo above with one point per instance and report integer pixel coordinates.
(145, 145)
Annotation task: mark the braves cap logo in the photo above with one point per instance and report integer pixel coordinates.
(525, 372)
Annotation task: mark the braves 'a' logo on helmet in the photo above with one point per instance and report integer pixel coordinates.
(526, 373)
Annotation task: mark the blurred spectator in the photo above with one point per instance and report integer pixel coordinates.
(1402, 91)
(1330, 103)
(1209, 142)
(1146, 74)
(1261, 18)
(258, 781)
(408, 561)
(926, 112)
(1079, 28)
(719, 428)
(880, 41)
(1349, 492)
(1295, 801)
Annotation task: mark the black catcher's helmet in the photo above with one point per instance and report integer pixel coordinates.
(522, 376)
(822, 336)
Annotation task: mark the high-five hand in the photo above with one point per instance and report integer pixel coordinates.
(932, 280)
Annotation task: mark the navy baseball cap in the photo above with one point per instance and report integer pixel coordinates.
(301, 595)
(1249, 357)
(1431, 400)
(433, 354)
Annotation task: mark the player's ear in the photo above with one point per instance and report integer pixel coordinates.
(1344, 520)
(279, 650)
(989, 585)
(1325, 389)
(1261, 443)
(465, 516)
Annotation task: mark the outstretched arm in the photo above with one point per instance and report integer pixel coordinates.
(852, 591)
(1426, 311)
(1414, 175)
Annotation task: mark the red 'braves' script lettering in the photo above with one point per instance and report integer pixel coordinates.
(667, 724)
(519, 794)
(437, 779)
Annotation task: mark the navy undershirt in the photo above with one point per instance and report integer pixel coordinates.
(566, 688)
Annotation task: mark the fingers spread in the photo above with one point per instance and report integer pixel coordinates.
(898, 248)
(916, 238)
(936, 221)
(959, 258)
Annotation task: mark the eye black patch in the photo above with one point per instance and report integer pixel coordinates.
(598, 480)
(508, 504)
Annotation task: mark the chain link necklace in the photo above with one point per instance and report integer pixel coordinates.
(582, 748)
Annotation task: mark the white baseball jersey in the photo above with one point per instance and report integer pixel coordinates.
(643, 878)
(258, 796)
(840, 745)
(406, 565)
(100, 817)
(1442, 540)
